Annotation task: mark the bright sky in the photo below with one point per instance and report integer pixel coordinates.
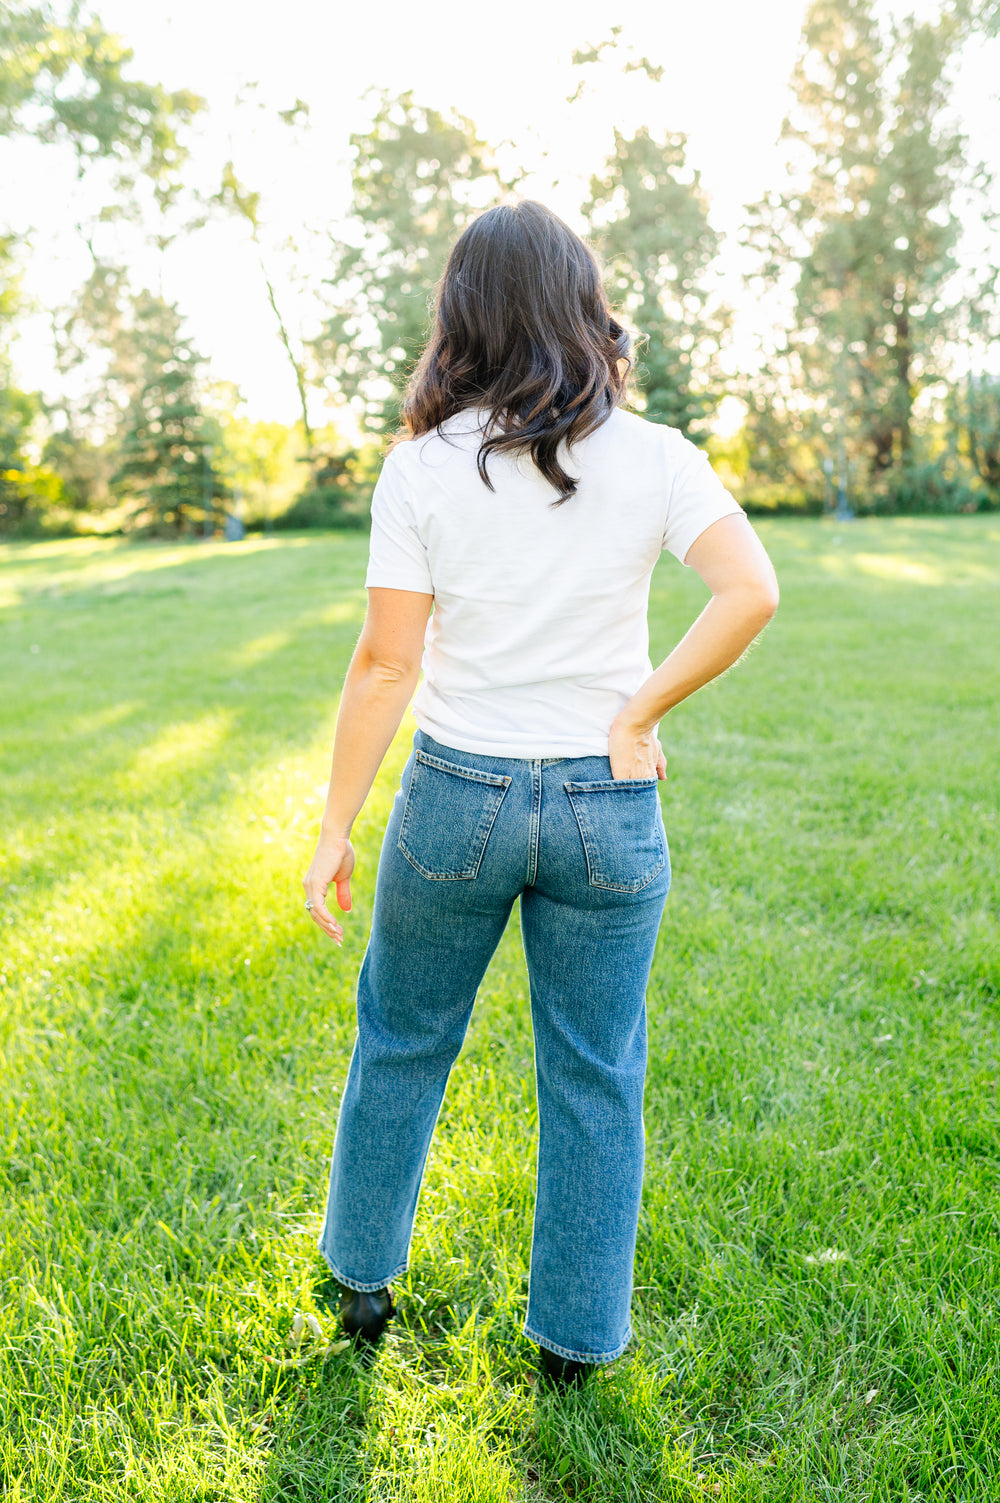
(726, 66)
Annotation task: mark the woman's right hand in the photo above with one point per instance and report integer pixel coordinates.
(332, 866)
(635, 753)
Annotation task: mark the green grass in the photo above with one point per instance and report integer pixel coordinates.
(816, 1305)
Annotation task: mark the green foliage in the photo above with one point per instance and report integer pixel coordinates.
(65, 81)
(419, 176)
(818, 1259)
(136, 431)
(9, 283)
(783, 441)
(612, 47)
(974, 408)
(867, 232)
(18, 410)
(340, 492)
(84, 469)
(648, 218)
(258, 461)
(98, 346)
(325, 506)
(32, 495)
(165, 449)
(982, 16)
(941, 485)
(864, 236)
(759, 477)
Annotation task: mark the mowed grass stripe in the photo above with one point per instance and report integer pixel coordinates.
(817, 1270)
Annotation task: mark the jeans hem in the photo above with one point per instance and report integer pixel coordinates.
(363, 1288)
(565, 1351)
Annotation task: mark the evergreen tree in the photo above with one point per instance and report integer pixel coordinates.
(165, 445)
(419, 177)
(648, 217)
(96, 345)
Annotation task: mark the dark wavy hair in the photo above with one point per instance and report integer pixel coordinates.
(523, 330)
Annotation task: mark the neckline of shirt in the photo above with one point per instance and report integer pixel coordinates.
(472, 418)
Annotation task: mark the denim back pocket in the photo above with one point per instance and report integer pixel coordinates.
(448, 815)
(622, 831)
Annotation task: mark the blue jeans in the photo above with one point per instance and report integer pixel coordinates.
(587, 856)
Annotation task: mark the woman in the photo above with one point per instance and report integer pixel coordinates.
(527, 507)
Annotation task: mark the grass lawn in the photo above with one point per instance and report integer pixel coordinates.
(818, 1269)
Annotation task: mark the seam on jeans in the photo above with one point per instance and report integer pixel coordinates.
(474, 774)
(598, 785)
(364, 1288)
(576, 1356)
(534, 822)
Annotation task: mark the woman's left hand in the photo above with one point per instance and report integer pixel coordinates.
(635, 752)
(332, 865)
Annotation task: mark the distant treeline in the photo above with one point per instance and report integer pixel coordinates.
(880, 393)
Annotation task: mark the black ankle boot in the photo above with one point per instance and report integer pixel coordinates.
(365, 1315)
(562, 1372)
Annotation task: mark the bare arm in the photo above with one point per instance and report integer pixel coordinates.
(731, 560)
(378, 688)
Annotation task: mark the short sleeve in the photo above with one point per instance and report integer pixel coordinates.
(696, 496)
(397, 559)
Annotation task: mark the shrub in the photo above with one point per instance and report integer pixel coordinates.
(943, 485)
(339, 493)
(772, 498)
(327, 506)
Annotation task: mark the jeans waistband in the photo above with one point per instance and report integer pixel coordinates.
(427, 742)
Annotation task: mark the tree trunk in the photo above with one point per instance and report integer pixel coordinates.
(296, 364)
(903, 403)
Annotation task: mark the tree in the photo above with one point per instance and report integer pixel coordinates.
(648, 218)
(22, 487)
(418, 177)
(64, 81)
(17, 410)
(238, 199)
(866, 235)
(780, 441)
(165, 449)
(256, 459)
(976, 417)
(98, 347)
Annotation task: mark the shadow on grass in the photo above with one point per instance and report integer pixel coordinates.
(173, 713)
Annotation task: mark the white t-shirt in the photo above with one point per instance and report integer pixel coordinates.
(538, 633)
